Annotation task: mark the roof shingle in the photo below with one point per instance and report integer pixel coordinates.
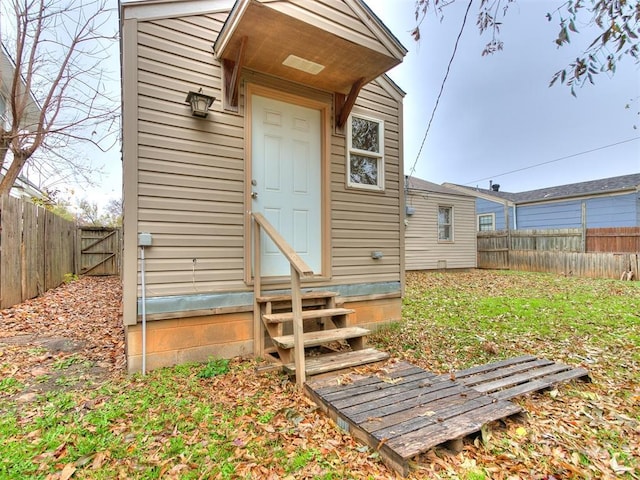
(591, 187)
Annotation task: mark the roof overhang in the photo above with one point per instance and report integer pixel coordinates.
(478, 194)
(261, 38)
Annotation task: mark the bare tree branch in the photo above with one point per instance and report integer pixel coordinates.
(58, 98)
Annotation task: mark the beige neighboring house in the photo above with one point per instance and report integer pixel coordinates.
(305, 134)
(22, 188)
(440, 228)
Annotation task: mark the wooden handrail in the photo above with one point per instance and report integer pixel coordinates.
(294, 259)
(299, 268)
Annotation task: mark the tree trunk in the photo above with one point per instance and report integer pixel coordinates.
(12, 173)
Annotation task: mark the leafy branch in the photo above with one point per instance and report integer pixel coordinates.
(618, 21)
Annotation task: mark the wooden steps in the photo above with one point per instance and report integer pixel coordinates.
(336, 361)
(281, 327)
(324, 323)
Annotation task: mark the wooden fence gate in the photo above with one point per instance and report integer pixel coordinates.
(99, 251)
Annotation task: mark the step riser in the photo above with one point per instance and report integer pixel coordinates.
(286, 306)
(306, 314)
(305, 296)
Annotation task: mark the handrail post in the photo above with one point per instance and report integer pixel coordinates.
(298, 342)
(258, 330)
(298, 269)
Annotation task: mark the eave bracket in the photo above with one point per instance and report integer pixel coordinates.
(344, 104)
(231, 77)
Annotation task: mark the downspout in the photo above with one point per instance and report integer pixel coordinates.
(515, 217)
(144, 312)
(144, 240)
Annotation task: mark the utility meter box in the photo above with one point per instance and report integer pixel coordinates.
(144, 239)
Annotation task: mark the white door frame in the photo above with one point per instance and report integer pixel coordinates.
(325, 112)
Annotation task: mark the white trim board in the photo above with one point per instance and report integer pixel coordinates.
(146, 10)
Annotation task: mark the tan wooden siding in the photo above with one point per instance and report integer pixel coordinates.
(364, 221)
(333, 16)
(130, 100)
(422, 249)
(191, 172)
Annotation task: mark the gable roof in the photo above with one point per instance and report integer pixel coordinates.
(505, 198)
(413, 183)
(308, 45)
(601, 186)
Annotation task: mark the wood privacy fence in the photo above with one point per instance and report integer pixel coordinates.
(591, 252)
(38, 248)
(614, 240)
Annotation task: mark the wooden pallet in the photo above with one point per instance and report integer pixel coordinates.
(402, 410)
(517, 376)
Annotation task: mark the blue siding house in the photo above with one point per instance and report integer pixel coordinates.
(608, 202)
(492, 215)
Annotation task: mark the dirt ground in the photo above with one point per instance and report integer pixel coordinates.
(70, 337)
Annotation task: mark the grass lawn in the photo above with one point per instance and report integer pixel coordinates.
(222, 420)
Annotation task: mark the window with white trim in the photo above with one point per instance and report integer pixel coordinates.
(445, 224)
(365, 156)
(486, 222)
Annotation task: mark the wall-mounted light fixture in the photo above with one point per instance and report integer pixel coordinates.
(200, 103)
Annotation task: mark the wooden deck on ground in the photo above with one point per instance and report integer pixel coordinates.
(517, 376)
(402, 410)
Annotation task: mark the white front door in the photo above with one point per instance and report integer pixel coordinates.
(286, 180)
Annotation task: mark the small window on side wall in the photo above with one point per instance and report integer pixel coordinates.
(365, 157)
(445, 224)
(486, 222)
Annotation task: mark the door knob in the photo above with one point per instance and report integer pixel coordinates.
(254, 195)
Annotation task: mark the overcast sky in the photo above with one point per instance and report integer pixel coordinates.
(497, 113)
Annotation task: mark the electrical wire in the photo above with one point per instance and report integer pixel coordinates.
(444, 81)
(552, 161)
